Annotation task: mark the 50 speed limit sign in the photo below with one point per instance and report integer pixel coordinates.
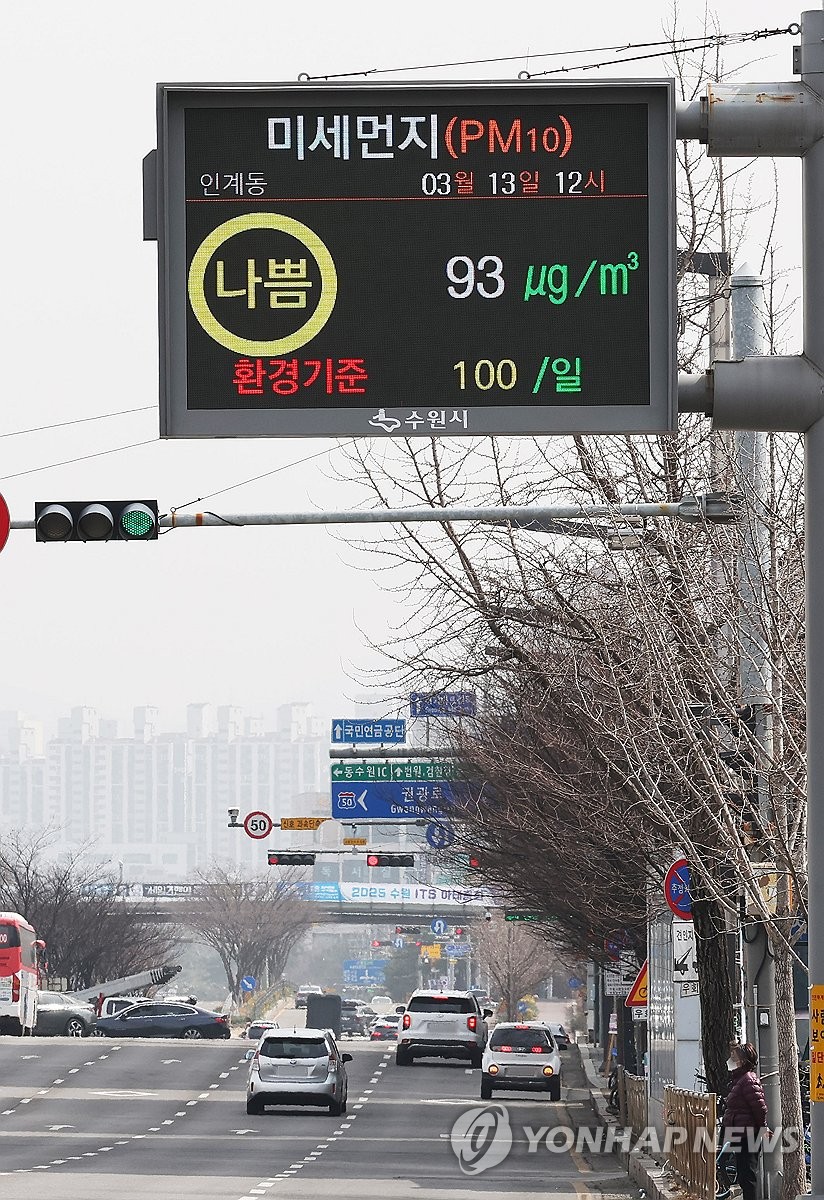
(258, 825)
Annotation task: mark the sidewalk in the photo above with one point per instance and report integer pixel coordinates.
(649, 1173)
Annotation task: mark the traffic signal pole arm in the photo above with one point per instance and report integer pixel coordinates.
(714, 507)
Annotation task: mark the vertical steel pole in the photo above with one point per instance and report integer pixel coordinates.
(812, 74)
(755, 683)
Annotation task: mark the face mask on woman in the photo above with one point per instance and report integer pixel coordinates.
(732, 1064)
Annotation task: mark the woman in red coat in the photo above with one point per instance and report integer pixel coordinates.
(745, 1115)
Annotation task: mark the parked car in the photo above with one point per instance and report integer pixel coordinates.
(256, 1029)
(442, 1025)
(521, 1056)
(562, 1038)
(63, 1016)
(297, 1066)
(304, 991)
(112, 1005)
(384, 1029)
(161, 1018)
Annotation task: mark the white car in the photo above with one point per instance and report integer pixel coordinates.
(382, 1004)
(521, 1056)
(442, 1025)
(297, 1066)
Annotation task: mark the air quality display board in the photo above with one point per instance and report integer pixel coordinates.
(425, 260)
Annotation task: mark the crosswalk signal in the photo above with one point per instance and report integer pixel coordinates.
(282, 858)
(96, 520)
(390, 860)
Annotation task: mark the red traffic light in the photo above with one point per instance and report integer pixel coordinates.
(459, 932)
(474, 862)
(390, 860)
(375, 945)
(278, 858)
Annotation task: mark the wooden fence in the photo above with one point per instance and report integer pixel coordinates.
(634, 1103)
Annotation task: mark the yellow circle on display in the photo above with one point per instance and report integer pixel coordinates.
(303, 234)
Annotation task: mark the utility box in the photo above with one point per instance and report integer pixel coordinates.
(323, 1012)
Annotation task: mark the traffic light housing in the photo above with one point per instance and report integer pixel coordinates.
(96, 520)
(284, 858)
(390, 860)
(407, 929)
(474, 861)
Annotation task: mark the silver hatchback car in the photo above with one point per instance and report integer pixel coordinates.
(521, 1056)
(297, 1066)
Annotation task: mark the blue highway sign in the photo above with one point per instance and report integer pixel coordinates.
(442, 704)
(394, 801)
(347, 731)
(248, 983)
(440, 834)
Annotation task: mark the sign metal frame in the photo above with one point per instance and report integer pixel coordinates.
(179, 416)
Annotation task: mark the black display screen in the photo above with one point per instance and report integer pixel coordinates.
(415, 257)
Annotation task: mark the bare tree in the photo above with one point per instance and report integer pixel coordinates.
(515, 958)
(251, 923)
(90, 933)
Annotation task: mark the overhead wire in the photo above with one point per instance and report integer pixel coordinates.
(77, 421)
(673, 46)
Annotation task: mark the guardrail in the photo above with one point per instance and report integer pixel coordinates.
(691, 1143)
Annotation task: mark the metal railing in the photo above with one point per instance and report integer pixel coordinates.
(690, 1117)
(634, 1106)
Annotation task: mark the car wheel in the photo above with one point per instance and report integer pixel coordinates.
(253, 1107)
(555, 1088)
(486, 1089)
(98, 1032)
(403, 1058)
(335, 1108)
(191, 1034)
(74, 1027)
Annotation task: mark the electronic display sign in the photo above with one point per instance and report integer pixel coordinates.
(425, 260)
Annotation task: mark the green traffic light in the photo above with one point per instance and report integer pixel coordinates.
(137, 522)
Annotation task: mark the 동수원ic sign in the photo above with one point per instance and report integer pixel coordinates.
(431, 259)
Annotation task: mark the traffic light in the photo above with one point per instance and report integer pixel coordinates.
(375, 944)
(407, 929)
(474, 861)
(390, 860)
(459, 931)
(282, 858)
(95, 520)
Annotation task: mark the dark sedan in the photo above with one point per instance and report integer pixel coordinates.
(165, 1019)
(62, 1016)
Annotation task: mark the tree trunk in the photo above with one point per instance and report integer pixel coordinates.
(715, 988)
(795, 1177)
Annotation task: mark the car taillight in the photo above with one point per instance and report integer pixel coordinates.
(407, 1020)
(472, 1023)
(223, 1018)
(15, 988)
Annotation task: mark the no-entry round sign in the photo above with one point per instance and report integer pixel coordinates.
(258, 825)
(5, 522)
(677, 889)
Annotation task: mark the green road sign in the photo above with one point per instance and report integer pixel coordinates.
(391, 772)
(515, 914)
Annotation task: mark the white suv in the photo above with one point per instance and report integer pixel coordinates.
(442, 1025)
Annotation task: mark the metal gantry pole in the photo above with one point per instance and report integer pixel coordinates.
(755, 690)
(812, 74)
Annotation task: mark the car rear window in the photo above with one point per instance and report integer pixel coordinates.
(442, 1004)
(521, 1041)
(294, 1048)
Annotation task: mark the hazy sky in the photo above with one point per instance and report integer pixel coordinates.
(249, 617)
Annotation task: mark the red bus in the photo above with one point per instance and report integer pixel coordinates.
(18, 974)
